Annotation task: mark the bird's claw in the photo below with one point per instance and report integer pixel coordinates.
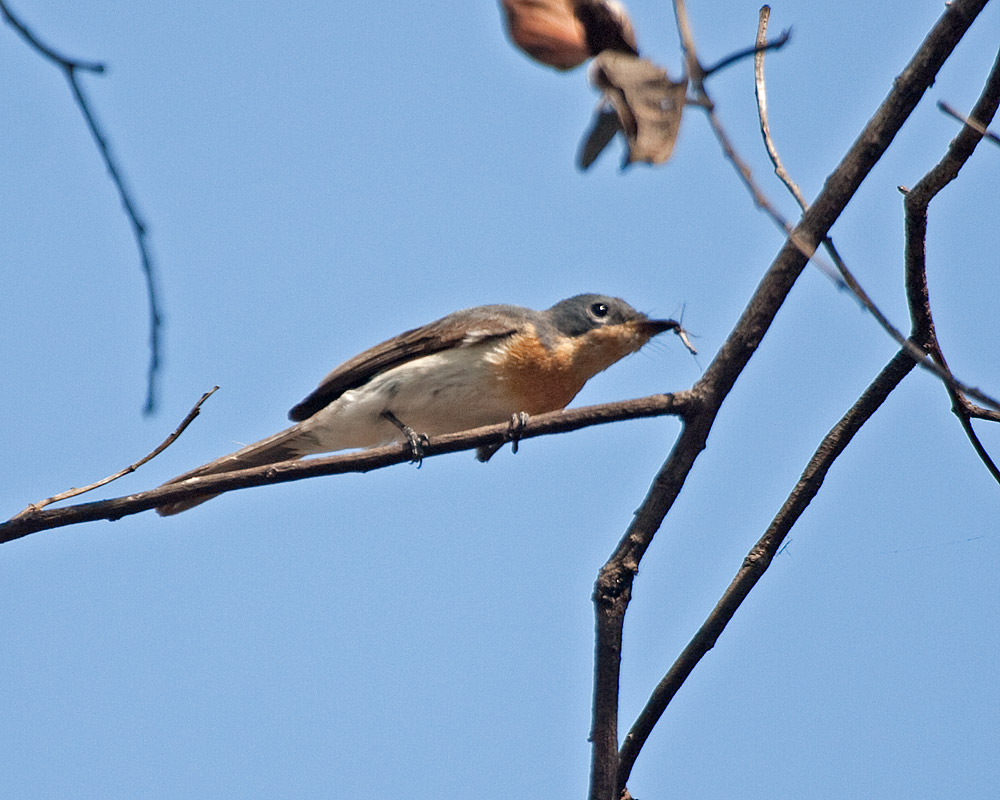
(517, 423)
(418, 445)
(418, 441)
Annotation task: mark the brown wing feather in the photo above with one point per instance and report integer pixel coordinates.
(471, 325)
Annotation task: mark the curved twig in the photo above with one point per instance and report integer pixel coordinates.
(915, 203)
(760, 91)
(33, 507)
(70, 67)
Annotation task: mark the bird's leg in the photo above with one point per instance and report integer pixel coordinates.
(517, 423)
(514, 428)
(418, 441)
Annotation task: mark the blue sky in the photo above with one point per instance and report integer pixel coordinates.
(319, 177)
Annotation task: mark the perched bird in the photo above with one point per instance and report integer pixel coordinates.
(565, 33)
(475, 367)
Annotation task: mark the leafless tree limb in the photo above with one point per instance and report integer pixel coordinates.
(759, 558)
(680, 404)
(70, 67)
(836, 441)
(916, 202)
(612, 591)
(842, 276)
(196, 409)
(847, 277)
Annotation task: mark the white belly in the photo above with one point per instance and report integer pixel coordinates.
(436, 394)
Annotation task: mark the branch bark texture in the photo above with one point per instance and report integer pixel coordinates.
(612, 590)
(679, 404)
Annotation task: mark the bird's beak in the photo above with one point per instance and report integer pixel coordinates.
(651, 327)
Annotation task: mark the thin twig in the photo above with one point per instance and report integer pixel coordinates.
(759, 48)
(972, 122)
(977, 412)
(70, 67)
(33, 507)
(765, 128)
(693, 68)
(45, 50)
(842, 275)
(761, 200)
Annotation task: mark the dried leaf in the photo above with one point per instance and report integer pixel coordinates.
(602, 131)
(647, 104)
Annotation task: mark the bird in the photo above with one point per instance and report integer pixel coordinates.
(563, 34)
(478, 366)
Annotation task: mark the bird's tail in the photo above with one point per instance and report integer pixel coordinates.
(291, 443)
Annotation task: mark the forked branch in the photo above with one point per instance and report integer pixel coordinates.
(612, 590)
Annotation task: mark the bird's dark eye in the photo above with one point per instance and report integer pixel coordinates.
(599, 310)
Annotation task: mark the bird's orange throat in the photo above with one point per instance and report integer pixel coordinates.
(540, 378)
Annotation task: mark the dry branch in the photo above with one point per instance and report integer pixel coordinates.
(916, 202)
(33, 507)
(836, 441)
(680, 404)
(759, 558)
(612, 590)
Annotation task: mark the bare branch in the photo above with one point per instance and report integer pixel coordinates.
(612, 590)
(916, 203)
(759, 558)
(139, 230)
(976, 412)
(765, 128)
(693, 68)
(679, 404)
(33, 507)
(835, 442)
(63, 61)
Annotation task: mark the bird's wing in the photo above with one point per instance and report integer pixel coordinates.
(474, 326)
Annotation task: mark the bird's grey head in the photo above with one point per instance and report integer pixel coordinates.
(585, 312)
